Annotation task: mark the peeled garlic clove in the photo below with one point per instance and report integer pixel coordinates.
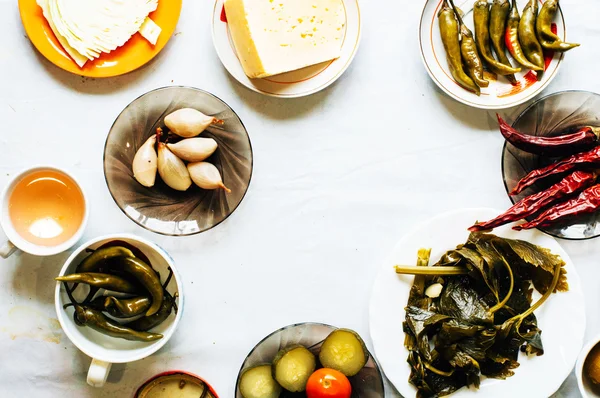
(434, 291)
(145, 163)
(189, 122)
(194, 149)
(172, 170)
(206, 176)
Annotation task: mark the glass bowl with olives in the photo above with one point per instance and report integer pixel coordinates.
(178, 161)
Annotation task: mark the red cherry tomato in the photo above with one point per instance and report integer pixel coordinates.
(328, 383)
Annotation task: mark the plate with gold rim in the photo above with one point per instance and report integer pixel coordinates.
(297, 83)
(500, 94)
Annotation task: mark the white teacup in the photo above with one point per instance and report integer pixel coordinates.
(103, 349)
(15, 240)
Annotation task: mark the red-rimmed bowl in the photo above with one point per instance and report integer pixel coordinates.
(176, 383)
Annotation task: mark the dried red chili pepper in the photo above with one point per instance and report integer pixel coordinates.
(587, 202)
(567, 164)
(562, 145)
(532, 204)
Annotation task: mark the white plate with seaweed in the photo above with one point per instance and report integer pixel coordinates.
(561, 317)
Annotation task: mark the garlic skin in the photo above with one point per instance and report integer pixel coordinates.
(172, 170)
(206, 176)
(188, 122)
(194, 149)
(145, 163)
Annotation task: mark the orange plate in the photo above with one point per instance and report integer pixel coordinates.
(134, 54)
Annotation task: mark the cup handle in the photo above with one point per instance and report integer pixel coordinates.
(98, 373)
(7, 249)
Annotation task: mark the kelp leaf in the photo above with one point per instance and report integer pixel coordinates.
(478, 345)
(486, 260)
(544, 261)
(449, 259)
(498, 370)
(532, 335)
(483, 263)
(519, 301)
(420, 322)
(417, 374)
(459, 300)
(455, 330)
(410, 341)
(440, 386)
(464, 363)
(506, 345)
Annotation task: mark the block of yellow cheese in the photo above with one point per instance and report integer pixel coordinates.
(278, 36)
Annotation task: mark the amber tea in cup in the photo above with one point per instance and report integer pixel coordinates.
(43, 212)
(46, 208)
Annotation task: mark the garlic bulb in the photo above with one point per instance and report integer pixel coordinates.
(172, 170)
(194, 149)
(206, 176)
(189, 122)
(145, 163)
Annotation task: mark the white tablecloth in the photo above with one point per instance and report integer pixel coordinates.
(339, 177)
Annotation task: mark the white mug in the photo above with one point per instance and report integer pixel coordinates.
(105, 350)
(17, 242)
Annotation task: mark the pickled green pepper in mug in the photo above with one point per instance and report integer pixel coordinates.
(498, 16)
(102, 281)
(86, 316)
(511, 39)
(146, 323)
(481, 18)
(94, 261)
(528, 38)
(449, 33)
(121, 307)
(548, 39)
(147, 278)
(468, 50)
(99, 257)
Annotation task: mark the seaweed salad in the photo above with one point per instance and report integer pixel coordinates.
(472, 312)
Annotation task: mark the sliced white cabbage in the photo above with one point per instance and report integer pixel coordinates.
(79, 59)
(88, 28)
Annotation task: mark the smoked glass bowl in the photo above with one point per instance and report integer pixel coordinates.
(553, 115)
(368, 383)
(161, 209)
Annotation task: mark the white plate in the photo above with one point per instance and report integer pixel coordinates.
(299, 83)
(500, 94)
(561, 317)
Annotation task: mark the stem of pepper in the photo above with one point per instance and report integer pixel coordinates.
(441, 270)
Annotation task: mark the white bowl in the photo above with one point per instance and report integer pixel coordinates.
(582, 381)
(106, 350)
